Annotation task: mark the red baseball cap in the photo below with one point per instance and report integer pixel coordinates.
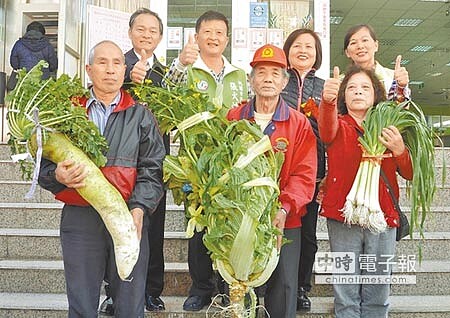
(271, 54)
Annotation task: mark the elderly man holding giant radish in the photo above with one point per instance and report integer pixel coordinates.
(103, 224)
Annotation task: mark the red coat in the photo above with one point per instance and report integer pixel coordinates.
(339, 133)
(291, 133)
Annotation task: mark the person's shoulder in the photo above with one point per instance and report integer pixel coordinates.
(347, 122)
(131, 58)
(17, 44)
(234, 112)
(379, 68)
(319, 80)
(139, 111)
(231, 67)
(297, 116)
(130, 52)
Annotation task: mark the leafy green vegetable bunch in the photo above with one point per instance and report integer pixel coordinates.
(226, 174)
(57, 109)
(418, 137)
(200, 127)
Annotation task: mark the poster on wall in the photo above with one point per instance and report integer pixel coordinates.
(107, 24)
(259, 14)
(257, 38)
(174, 38)
(240, 38)
(275, 37)
(322, 27)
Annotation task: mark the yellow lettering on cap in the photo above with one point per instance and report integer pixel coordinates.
(267, 52)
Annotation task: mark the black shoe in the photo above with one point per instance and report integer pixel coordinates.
(106, 308)
(224, 290)
(225, 300)
(303, 302)
(153, 303)
(248, 301)
(196, 303)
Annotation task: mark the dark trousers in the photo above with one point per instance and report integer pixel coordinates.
(200, 267)
(308, 243)
(88, 256)
(281, 293)
(155, 273)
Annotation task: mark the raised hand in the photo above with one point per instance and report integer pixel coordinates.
(331, 87)
(400, 73)
(139, 71)
(190, 52)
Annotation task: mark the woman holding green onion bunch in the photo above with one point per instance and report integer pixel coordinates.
(359, 91)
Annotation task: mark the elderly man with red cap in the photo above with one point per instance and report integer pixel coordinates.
(290, 133)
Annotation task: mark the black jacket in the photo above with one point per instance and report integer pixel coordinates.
(30, 49)
(155, 74)
(135, 157)
(312, 87)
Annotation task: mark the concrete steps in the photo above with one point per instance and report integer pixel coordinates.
(25, 305)
(14, 191)
(46, 276)
(31, 269)
(47, 216)
(44, 244)
(28, 215)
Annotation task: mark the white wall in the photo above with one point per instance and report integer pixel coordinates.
(160, 7)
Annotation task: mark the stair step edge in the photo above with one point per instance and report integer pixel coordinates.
(58, 302)
(427, 266)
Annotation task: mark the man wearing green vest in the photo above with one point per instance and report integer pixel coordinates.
(201, 64)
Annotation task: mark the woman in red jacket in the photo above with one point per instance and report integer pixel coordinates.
(359, 91)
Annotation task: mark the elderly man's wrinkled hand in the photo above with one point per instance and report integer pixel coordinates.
(70, 174)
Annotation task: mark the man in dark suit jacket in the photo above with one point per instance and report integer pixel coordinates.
(145, 32)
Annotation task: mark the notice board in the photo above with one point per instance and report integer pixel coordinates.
(107, 24)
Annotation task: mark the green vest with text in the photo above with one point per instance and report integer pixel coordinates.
(231, 92)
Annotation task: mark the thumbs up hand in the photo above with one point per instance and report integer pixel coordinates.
(190, 52)
(139, 71)
(331, 87)
(400, 73)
